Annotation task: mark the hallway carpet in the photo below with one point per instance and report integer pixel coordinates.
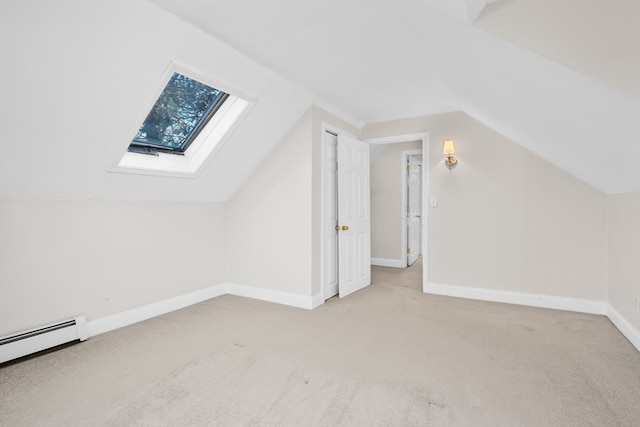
(388, 355)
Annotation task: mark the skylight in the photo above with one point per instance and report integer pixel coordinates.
(183, 108)
(185, 124)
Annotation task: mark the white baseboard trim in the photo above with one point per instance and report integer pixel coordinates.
(623, 325)
(520, 298)
(159, 308)
(136, 315)
(317, 300)
(543, 301)
(385, 262)
(285, 298)
(129, 317)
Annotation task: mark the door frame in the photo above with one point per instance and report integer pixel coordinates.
(325, 127)
(424, 137)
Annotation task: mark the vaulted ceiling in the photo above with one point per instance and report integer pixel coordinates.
(388, 59)
(560, 78)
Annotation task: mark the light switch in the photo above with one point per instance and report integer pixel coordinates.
(433, 201)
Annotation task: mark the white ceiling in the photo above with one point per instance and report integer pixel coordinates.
(600, 39)
(369, 58)
(384, 49)
(76, 77)
(570, 95)
(76, 74)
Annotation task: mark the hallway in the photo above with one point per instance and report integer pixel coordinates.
(410, 277)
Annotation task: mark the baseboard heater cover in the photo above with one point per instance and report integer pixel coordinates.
(42, 338)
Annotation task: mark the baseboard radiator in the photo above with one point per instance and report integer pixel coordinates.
(42, 338)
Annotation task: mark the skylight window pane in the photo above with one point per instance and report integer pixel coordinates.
(183, 108)
(188, 119)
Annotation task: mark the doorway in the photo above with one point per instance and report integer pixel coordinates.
(329, 257)
(346, 224)
(399, 227)
(413, 190)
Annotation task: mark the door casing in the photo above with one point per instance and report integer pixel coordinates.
(325, 223)
(329, 273)
(424, 137)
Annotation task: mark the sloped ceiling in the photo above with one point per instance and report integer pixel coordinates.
(75, 79)
(76, 74)
(600, 39)
(384, 60)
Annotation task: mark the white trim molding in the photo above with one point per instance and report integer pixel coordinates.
(520, 298)
(285, 298)
(424, 137)
(159, 308)
(623, 325)
(542, 301)
(420, 136)
(317, 300)
(149, 311)
(385, 262)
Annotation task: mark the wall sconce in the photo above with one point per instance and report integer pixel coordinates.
(448, 149)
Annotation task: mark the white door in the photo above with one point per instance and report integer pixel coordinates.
(354, 221)
(414, 223)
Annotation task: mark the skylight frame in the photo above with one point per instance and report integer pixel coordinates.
(191, 162)
(172, 114)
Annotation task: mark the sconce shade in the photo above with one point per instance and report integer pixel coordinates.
(448, 148)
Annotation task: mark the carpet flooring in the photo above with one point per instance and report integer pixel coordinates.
(388, 355)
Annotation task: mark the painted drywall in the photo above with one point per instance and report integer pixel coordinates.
(268, 229)
(600, 39)
(87, 72)
(433, 64)
(386, 201)
(623, 221)
(507, 219)
(100, 258)
(61, 258)
(63, 63)
(546, 108)
(273, 221)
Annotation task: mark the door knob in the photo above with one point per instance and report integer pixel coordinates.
(337, 228)
(345, 227)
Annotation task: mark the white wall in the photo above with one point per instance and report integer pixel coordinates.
(507, 219)
(268, 228)
(623, 219)
(61, 258)
(77, 78)
(273, 220)
(386, 201)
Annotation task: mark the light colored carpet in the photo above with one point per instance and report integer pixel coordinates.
(388, 355)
